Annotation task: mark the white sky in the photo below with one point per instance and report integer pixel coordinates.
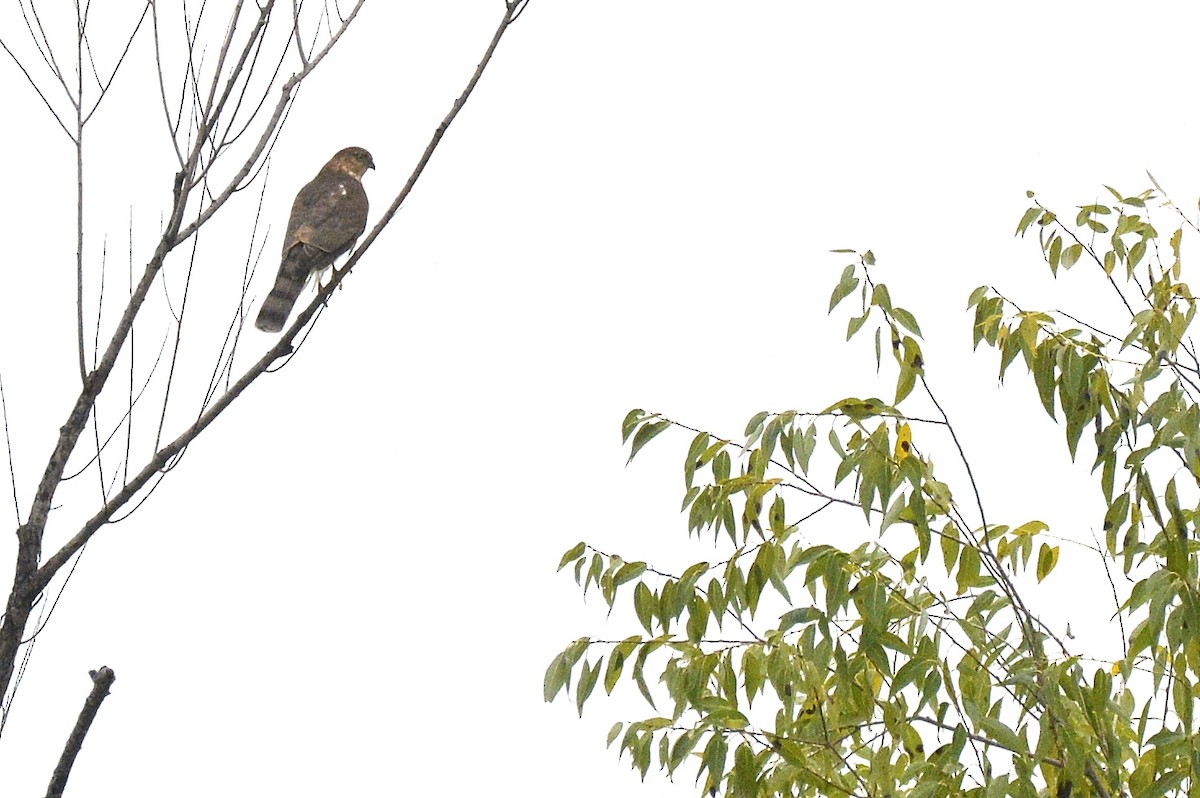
(347, 586)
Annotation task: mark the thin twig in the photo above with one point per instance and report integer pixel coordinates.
(510, 9)
(12, 468)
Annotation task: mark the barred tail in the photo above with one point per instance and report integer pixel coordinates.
(278, 305)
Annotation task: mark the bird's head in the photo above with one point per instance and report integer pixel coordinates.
(352, 160)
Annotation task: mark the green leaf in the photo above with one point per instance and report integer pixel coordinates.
(628, 572)
(776, 519)
(912, 366)
(558, 674)
(683, 746)
(639, 677)
(1054, 254)
(721, 466)
(717, 600)
(616, 662)
(939, 496)
(630, 422)
(881, 298)
(1136, 253)
(744, 778)
(861, 409)
(968, 569)
(1003, 735)
(556, 678)
(572, 554)
(753, 672)
(804, 445)
(645, 435)
(656, 724)
(594, 571)
(753, 426)
(1026, 220)
(1044, 362)
(798, 616)
(714, 757)
(697, 622)
(855, 324)
(951, 545)
(1167, 784)
(645, 606)
(1071, 255)
(694, 457)
(844, 288)
(907, 320)
(614, 733)
(908, 673)
(1047, 559)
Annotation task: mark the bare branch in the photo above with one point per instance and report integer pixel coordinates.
(105, 84)
(102, 680)
(283, 103)
(78, 138)
(283, 346)
(44, 49)
(125, 420)
(520, 6)
(296, 32)
(212, 116)
(511, 8)
(174, 362)
(210, 113)
(223, 367)
(129, 399)
(36, 88)
(12, 468)
(172, 127)
(160, 460)
(227, 139)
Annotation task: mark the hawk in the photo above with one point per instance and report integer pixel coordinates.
(328, 216)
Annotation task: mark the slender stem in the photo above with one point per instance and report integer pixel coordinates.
(79, 190)
(511, 10)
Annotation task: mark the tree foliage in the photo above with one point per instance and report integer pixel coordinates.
(909, 662)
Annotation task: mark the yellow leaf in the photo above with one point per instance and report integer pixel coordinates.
(903, 442)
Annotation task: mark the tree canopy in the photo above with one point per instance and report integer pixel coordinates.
(812, 659)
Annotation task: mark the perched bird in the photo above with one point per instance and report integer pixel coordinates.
(328, 216)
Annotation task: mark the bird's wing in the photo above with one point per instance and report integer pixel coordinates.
(329, 214)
